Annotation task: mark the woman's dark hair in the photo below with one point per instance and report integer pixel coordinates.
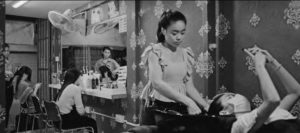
(215, 107)
(19, 74)
(106, 48)
(5, 45)
(165, 21)
(70, 77)
(104, 69)
(224, 122)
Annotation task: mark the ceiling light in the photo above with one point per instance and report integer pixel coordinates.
(19, 3)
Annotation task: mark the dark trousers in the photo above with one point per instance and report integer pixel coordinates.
(159, 110)
(74, 120)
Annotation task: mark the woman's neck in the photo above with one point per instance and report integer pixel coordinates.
(170, 47)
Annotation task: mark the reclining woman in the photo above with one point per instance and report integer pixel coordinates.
(272, 115)
(231, 113)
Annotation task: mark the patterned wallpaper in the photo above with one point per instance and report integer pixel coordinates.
(271, 25)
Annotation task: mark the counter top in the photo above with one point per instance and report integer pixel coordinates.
(107, 93)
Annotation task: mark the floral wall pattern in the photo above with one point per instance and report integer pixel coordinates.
(273, 26)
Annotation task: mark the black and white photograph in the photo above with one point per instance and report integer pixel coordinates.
(150, 66)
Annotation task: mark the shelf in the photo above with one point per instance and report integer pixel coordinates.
(108, 20)
(107, 93)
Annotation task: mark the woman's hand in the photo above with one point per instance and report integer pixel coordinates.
(270, 59)
(8, 75)
(258, 57)
(192, 107)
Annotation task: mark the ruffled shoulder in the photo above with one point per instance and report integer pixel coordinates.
(190, 61)
(153, 47)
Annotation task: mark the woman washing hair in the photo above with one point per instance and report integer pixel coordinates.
(170, 71)
(70, 104)
(273, 115)
(108, 62)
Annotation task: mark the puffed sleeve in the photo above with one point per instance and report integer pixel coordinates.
(152, 48)
(155, 48)
(190, 61)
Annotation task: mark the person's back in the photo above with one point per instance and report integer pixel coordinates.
(69, 98)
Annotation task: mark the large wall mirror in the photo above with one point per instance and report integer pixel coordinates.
(102, 29)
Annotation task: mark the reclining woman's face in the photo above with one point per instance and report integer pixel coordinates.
(234, 103)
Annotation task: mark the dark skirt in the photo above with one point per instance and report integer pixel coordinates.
(9, 93)
(74, 120)
(157, 111)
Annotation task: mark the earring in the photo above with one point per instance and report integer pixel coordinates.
(223, 113)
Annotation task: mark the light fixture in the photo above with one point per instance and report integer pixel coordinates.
(19, 3)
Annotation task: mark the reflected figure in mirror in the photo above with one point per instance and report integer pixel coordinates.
(108, 62)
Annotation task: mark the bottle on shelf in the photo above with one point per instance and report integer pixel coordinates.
(94, 86)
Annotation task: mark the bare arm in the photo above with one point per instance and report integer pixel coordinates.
(289, 83)
(117, 66)
(155, 75)
(269, 93)
(97, 65)
(195, 95)
(78, 100)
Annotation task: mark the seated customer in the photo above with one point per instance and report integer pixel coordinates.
(22, 89)
(273, 115)
(70, 103)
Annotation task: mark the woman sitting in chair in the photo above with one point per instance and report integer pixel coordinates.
(22, 89)
(70, 104)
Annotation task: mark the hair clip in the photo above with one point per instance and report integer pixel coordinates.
(19, 67)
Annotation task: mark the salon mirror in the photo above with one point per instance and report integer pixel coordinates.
(100, 27)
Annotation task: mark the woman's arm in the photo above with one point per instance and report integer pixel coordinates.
(155, 75)
(117, 66)
(78, 100)
(288, 81)
(269, 93)
(97, 65)
(195, 95)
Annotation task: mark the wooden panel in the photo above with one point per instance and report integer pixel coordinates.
(47, 45)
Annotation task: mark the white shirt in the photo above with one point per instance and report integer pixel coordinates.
(245, 122)
(71, 96)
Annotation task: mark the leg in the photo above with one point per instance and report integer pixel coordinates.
(79, 121)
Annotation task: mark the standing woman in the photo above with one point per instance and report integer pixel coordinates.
(107, 61)
(8, 78)
(70, 104)
(170, 71)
